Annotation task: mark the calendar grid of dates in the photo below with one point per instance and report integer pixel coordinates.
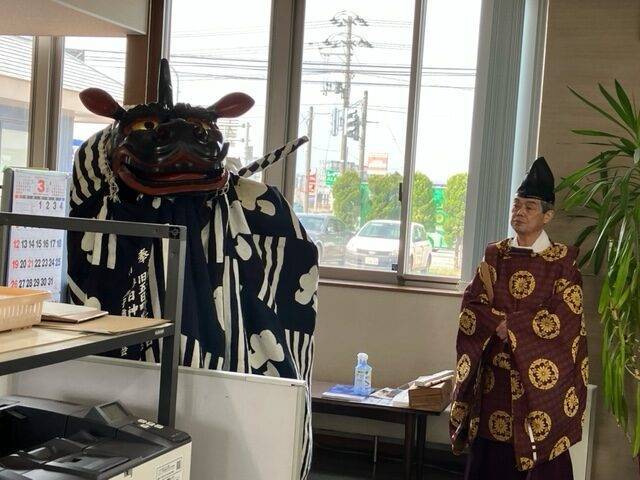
(36, 254)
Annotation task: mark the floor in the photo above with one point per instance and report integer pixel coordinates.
(330, 465)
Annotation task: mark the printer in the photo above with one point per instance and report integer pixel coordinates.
(51, 440)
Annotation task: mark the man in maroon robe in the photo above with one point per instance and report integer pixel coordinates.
(522, 365)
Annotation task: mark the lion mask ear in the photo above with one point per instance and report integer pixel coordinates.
(232, 105)
(101, 103)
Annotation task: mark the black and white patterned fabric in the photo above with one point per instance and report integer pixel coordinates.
(251, 272)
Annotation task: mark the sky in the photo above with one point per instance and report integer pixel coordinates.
(217, 50)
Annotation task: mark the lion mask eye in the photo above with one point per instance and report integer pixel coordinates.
(206, 125)
(143, 124)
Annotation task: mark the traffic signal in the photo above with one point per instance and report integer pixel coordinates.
(353, 125)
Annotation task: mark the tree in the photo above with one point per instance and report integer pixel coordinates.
(385, 204)
(346, 198)
(454, 206)
(423, 208)
(384, 197)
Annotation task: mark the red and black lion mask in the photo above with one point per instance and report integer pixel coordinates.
(165, 149)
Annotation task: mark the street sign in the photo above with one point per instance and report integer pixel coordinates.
(311, 184)
(330, 177)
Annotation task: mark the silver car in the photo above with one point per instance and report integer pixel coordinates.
(376, 246)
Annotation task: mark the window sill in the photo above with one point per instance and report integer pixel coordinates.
(387, 287)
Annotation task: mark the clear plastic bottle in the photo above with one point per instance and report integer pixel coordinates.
(362, 380)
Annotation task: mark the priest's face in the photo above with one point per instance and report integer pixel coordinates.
(527, 216)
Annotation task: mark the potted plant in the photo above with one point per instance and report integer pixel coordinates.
(606, 192)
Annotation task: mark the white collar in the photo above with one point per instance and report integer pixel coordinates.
(541, 243)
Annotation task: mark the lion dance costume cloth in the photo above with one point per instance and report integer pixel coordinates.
(250, 289)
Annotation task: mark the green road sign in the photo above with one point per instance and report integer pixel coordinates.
(330, 176)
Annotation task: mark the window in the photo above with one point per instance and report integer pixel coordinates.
(356, 68)
(444, 130)
(88, 62)
(355, 90)
(16, 59)
(215, 51)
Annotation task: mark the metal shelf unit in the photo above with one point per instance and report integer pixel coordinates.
(14, 362)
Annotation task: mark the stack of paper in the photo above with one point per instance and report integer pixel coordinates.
(64, 312)
(436, 378)
(344, 393)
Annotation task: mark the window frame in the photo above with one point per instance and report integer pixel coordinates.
(527, 105)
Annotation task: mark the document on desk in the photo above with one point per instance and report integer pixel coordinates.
(344, 393)
(66, 313)
(107, 325)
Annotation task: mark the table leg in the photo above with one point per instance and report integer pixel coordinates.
(409, 431)
(421, 433)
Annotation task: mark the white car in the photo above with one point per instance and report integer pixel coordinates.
(376, 246)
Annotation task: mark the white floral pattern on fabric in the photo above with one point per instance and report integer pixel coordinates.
(265, 347)
(308, 286)
(249, 192)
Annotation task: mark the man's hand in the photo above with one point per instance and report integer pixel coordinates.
(501, 330)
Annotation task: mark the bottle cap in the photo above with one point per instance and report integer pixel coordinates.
(363, 357)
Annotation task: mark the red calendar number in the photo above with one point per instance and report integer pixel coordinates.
(40, 187)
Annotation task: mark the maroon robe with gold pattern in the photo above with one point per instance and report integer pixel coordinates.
(531, 389)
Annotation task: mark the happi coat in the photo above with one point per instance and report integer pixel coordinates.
(530, 390)
(251, 274)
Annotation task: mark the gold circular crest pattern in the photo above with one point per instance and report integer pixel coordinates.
(561, 446)
(546, 325)
(463, 367)
(522, 284)
(473, 427)
(517, 389)
(583, 326)
(499, 313)
(560, 284)
(489, 380)
(526, 463)
(500, 425)
(573, 298)
(484, 299)
(512, 340)
(543, 373)
(584, 369)
(467, 322)
(574, 348)
(571, 402)
(458, 412)
(555, 252)
(502, 360)
(540, 423)
(503, 246)
(493, 273)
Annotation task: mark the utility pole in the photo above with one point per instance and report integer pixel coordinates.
(305, 201)
(346, 92)
(347, 41)
(363, 132)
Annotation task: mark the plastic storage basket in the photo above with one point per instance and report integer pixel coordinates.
(20, 307)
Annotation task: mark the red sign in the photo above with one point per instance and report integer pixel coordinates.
(311, 184)
(377, 163)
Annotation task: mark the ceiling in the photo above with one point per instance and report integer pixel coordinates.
(95, 18)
